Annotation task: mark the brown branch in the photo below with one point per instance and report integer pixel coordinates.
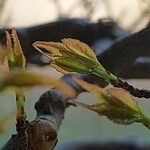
(42, 132)
(140, 93)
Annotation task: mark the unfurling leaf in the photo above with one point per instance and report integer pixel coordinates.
(3, 54)
(79, 48)
(124, 97)
(94, 89)
(14, 76)
(73, 56)
(114, 103)
(15, 57)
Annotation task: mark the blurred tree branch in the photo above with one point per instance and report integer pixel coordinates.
(125, 52)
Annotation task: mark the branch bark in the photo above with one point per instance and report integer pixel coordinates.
(42, 132)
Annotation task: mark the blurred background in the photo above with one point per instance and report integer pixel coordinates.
(78, 124)
(131, 15)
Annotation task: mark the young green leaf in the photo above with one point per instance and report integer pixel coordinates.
(73, 56)
(114, 103)
(79, 48)
(123, 97)
(15, 57)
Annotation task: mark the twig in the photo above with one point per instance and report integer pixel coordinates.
(140, 93)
